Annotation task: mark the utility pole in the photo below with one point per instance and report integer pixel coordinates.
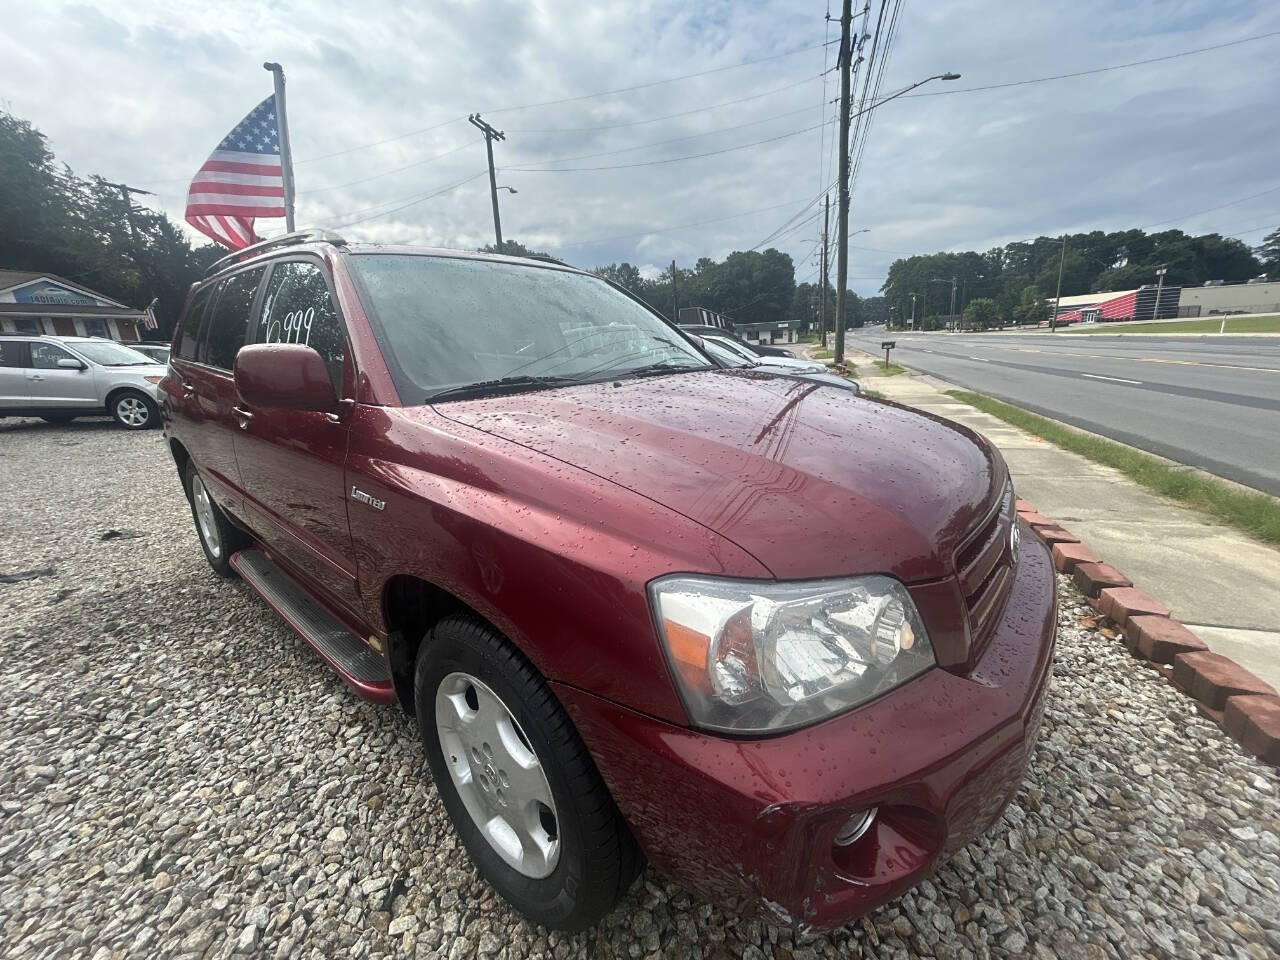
(286, 151)
(826, 221)
(912, 325)
(842, 228)
(1057, 298)
(125, 191)
(491, 135)
(1155, 315)
(675, 296)
(953, 300)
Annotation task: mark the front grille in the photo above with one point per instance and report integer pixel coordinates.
(984, 566)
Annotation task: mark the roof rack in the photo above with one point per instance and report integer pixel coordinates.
(287, 240)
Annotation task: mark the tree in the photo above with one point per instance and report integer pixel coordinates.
(1269, 252)
(1032, 308)
(514, 248)
(624, 275)
(981, 314)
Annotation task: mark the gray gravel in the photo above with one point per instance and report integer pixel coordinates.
(181, 776)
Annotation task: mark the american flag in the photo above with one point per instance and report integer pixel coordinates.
(241, 181)
(149, 318)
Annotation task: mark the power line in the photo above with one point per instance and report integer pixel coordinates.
(670, 116)
(651, 163)
(679, 226)
(658, 143)
(1085, 73)
(418, 198)
(379, 143)
(1229, 203)
(654, 83)
(387, 173)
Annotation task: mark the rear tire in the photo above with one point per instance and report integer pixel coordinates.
(218, 538)
(134, 410)
(583, 857)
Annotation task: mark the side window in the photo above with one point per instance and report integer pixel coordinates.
(193, 324)
(13, 353)
(45, 356)
(229, 319)
(298, 309)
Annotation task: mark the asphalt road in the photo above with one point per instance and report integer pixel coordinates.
(1210, 402)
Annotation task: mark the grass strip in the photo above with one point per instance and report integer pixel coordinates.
(1256, 514)
(1269, 323)
(889, 369)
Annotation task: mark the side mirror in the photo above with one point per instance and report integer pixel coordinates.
(70, 363)
(284, 376)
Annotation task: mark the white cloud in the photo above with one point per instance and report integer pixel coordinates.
(142, 92)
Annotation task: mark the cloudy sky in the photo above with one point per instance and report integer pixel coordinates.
(379, 93)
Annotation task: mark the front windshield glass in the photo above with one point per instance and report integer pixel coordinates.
(722, 353)
(448, 322)
(110, 354)
(732, 347)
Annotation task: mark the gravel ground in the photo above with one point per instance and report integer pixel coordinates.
(181, 776)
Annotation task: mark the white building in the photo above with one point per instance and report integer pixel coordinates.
(35, 303)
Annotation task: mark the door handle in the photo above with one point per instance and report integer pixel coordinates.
(36, 376)
(188, 388)
(243, 415)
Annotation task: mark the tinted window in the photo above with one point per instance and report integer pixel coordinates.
(229, 319)
(193, 325)
(12, 353)
(444, 322)
(298, 309)
(45, 356)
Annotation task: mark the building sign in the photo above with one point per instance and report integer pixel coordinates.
(46, 292)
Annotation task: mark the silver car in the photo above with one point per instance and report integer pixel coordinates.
(792, 364)
(60, 378)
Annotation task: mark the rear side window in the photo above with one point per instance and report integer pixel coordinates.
(193, 325)
(229, 318)
(297, 308)
(12, 353)
(45, 356)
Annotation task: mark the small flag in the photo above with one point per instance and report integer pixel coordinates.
(149, 321)
(241, 181)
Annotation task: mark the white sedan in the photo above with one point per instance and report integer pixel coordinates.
(791, 364)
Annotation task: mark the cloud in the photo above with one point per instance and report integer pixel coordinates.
(142, 92)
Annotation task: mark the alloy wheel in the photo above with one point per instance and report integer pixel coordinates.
(205, 518)
(497, 775)
(132, 411)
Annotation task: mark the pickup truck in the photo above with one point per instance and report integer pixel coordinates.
(785, 642)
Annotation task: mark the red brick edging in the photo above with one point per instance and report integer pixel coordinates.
(1245, 706)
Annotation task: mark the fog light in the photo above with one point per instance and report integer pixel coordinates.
(855, 827)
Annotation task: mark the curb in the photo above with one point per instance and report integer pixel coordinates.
(1244, 705)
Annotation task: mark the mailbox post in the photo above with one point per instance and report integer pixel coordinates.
(886, 346)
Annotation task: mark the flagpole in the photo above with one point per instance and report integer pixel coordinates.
(286, 155)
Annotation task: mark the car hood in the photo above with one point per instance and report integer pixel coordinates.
(813, 481)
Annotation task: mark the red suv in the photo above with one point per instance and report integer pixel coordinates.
(781, 639)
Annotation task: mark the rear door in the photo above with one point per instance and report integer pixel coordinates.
(293, 461)
(14, 389)
(57, 388)
(209, 389)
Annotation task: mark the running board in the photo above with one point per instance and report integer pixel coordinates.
(350, 656)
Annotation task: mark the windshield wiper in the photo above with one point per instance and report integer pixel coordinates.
(665, 366)
(512, 384)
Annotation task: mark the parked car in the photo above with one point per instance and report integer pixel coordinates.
(786, 643)
(758, 349)
(787, 362)
(60, 378)
(158, 352)
(731, 358)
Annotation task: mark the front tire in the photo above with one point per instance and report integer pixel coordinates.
(218, 538)
(134, 411)
(519, 785)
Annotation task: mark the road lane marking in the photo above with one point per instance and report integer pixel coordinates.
(1094, 376)
(980, 359)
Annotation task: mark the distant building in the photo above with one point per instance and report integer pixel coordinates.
(1214, 298)
(44, 303)
(702, 317)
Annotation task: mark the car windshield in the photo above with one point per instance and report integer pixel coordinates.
(722, 353)
(463, 327)
(111, 354)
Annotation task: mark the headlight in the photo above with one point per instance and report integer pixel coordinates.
(751, 656)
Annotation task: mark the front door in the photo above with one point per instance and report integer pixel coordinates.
(15, 391)
(59, 388)
(293, 461)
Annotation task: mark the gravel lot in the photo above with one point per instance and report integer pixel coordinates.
(181, 776)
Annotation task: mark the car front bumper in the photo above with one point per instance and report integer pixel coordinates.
(750, 824)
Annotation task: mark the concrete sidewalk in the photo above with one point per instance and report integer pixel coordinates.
(1221, 584)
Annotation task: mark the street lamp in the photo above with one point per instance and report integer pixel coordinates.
(1159, 287)
(511, 190)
